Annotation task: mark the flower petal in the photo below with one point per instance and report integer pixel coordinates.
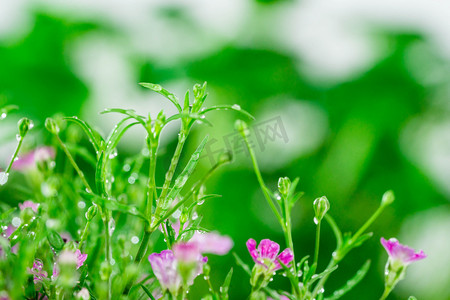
(251, 246)
(268, 249)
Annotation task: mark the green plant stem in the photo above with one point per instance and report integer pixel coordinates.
(369, 222)
(108, 253)
(334, 261)
(387, 291)
(322, 281)
(285, 226)
(151, 188)
(16, 152)
(316, 250)
(84, 235)
(74, 164)
(188, 195)
(261, 182)
(173, 164)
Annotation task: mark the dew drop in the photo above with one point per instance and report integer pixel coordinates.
(18, 137)
(135, 240)
(2, 116)
(16, 222)
(316, 221)
(126, 167)
(3, 178)
(111, 226)
(113, 154)
(112, 262)
(236, 107)
(194, 216)
(200, 202)
(81, 204)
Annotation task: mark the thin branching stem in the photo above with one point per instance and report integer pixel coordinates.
(74, 164)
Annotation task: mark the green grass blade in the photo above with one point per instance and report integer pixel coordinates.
(351, 283)
(160, 90)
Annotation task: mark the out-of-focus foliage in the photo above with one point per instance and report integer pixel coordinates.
(385, 126)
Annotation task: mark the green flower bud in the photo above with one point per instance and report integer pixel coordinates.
(206, 270)
(321, 206)
(388, 198)
(92, 212)
(27, 215)
(242, 128)
(225, 157)
(184, 218)
(24, 124)
(51, 126)
(284, 185)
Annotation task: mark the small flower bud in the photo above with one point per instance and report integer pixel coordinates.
(51, 126)
(92, 212)
(242, 128)
(225, 157)
(26, 215)
(388, 198)
(206, 269)
(284, 184)
(321, 206)
(24, 124)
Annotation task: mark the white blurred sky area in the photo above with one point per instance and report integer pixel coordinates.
(333, 40)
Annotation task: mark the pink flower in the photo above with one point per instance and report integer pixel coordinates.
(282, 297)
(81, 258)
(267, 254)
(30, 159)
(401, 254)
(30, 204)
(69, 257)
(37, 271)
(212, 243)
(164, 266)
(167, 265)
(186, 252)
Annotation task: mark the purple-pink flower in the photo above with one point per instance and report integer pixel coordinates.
(401, 253)
(267, 254)
(30, 204)
(37, 271)
(164, 266)
(30, 159)
(212, 242)
(81, 258)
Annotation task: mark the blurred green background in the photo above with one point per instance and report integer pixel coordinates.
(362, 91)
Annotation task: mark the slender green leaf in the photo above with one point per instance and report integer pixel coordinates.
(94, 136)
(111, 144)
(360, 240)
(337, 232)
(128, 112)
(234, 107)
(351, 283)
(243, 265)
(5, 110)
(160, 90)
(226, 285)
(181, 179)
(316, 277)
(147, 292)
